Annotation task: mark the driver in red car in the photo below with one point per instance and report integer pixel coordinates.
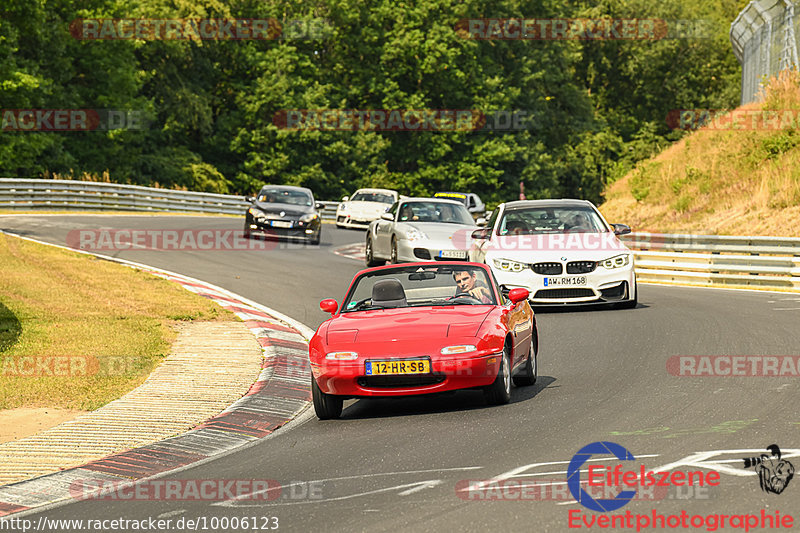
(467, 283)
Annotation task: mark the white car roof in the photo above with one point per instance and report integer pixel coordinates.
(393, 193)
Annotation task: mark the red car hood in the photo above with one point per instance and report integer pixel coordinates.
(407, 323)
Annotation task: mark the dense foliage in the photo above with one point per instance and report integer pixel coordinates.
(593, 107)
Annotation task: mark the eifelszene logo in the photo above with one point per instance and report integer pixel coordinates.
(606, 476)
(774, 473)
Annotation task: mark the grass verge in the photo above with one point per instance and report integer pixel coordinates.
(77, 332)
(730, 179)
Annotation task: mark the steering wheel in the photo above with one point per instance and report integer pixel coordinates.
(462, 295)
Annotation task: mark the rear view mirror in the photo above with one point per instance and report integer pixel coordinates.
(420, 276)
(481, 222)
(319, 205)
(483, 233)
(329, 306)
(621, 229)
(518, 294)
(345, 198)
(250, 199)
(387, 216)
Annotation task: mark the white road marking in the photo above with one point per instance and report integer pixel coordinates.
(786, 308)
(411, 488)
(517, 472)
(231, 501)
(171, 513)
(422, 485)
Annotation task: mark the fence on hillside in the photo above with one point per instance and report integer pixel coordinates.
(764, 42)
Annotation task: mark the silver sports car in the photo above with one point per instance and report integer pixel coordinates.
(420, 229)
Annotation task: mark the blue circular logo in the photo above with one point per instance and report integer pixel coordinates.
(574, 477)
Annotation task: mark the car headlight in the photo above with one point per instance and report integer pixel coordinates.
(414, 234)
(341, 356)
(507, 265)
(460, 348)
(255, 212)
(617, 261)
(309, 217)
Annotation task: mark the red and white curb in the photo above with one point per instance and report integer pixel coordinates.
(280, 394)
(352, 251)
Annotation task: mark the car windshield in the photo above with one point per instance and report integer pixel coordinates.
(379, 197)
(285, 196)
(458, 197)
(536, 220)
(418, 286)
(442, 212)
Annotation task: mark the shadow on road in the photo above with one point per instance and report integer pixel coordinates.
(446, 402)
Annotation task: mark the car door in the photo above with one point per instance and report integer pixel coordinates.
(383, 232)
(520, 324)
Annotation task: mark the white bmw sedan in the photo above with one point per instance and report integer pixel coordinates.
(420, 229)
(363, 207)
(562, 251)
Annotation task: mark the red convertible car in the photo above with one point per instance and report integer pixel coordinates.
(420, 328)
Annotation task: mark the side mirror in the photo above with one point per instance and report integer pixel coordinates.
(387, 216)
(621, 229)
(482, 233)
(329, 306)
(518, 294)
(481, 222)
(250, 199)
(345, 198)
(319, 205)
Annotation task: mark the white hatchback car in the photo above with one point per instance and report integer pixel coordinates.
(562, 251)
(363, 207)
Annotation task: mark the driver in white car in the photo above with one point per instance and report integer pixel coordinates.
(467, 283)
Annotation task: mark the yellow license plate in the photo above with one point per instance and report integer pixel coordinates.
(398, 366)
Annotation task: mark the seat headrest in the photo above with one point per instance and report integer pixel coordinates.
(388, 293)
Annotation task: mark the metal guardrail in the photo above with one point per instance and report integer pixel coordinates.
(760, 262)
(35, 194)
(767, 262)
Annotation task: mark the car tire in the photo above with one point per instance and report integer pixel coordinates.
(530, 371)
(631, 304)
(326, 406)
(499, 392)
(369, 254)
(316, 238)
(247, 233)
(393, 260)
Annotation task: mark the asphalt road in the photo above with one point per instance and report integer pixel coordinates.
(399, 464)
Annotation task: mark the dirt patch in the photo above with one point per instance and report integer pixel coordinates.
(26, 421)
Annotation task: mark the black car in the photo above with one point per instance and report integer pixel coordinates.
(284, 211)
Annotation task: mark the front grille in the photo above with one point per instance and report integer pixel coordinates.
(383, 382)
(547, 269)
(422, 253)
(581, 267)
(563, 293)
